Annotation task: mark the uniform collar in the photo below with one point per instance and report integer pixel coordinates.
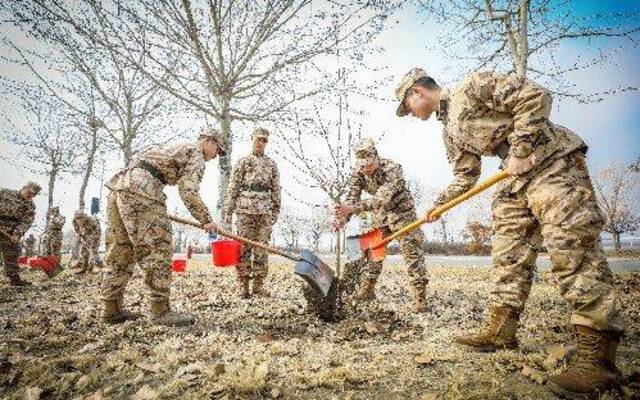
(443, 106)
(255, 153)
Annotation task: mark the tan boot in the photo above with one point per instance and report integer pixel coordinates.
(113, 313)
(419, 298)
(259, 289)
(367, 291)
(243, 288)
(499, 331)
(161, 314)
(592, 369)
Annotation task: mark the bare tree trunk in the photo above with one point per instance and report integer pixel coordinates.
(53, 175)
(522, 40)
(127, 152)
(224, 163)
(443, 223)
(616, 241)
(338, 253)
(89, 167)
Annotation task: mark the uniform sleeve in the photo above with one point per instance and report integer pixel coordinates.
(235, 184)
(25, 223)
(383, 198)
(356, 184)
(276, 191)
(528, 103)
(189, 189)
(466, 171)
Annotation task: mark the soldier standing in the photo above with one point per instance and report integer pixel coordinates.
(549, 196)
(29, 246)
(393, 207)
(17, 212)
(139, 229)
(254, 196)
(88, 230)
(53, 235)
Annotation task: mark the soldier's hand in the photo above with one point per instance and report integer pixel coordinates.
(343, 211)
(211, 227)
(430, 218)
(519, 166)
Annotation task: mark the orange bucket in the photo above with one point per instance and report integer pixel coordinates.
(178, 265)
(226, 252)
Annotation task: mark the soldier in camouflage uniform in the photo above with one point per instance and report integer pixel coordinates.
(139, 229)
(17, 212)
(53, 234)
(393, 207)
(88, 230)
(29, 246)
(254, 196)
(549, 196)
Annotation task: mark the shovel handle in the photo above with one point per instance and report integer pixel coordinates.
(446, 206)
(235, 237)
(8, 236)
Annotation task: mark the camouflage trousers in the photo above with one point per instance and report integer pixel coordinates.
(88, 257)
(255, 227)
(138, 232)
(558, 206)
(412, 248)
(53, 243)
(10, 253)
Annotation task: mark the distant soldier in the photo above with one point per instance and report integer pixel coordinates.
(17, 212)
(53, 234)
(392, 206)
(139, 229)
(30, 246)
(88, 230)
(549, 196)
(254, 196)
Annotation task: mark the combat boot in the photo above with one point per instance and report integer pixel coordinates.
(113, 313)
(367, 291)
(592, 369)
(15, 280)
(243, 288)
(259, 289)
(161, 314)
(419, 298)
(499, 332)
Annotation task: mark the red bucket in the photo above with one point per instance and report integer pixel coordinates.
(178, 265)
(226, 252)
(22, 260)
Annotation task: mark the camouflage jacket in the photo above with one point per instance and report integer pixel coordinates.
(16, 213)
(254, 187)
(176, 164)
(492, 114)
(390, 199)
(87, 228)
(55, 223)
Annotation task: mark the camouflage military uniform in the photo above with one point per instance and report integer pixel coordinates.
(53, 235)
(492, 114)
(138, 227)
(254, 196)
(16, 216)
(392, 206)
(88, 230)
(29, 246)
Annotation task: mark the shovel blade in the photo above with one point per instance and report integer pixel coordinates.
(360, 246)
(315, 272)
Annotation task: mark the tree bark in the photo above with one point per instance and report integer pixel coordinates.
(224, 163)
(616, 241)
(89, 167)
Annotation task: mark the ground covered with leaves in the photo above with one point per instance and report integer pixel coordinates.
(53, 345)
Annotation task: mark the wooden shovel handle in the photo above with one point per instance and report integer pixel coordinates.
(235, 237)
(8, 236)
(446, 206)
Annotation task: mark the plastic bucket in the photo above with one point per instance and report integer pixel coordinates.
(225, 252)
(178, 265)
(22, 260)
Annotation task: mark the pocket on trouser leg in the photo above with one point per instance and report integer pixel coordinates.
(158, 280)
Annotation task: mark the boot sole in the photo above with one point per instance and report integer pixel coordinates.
(557, 389)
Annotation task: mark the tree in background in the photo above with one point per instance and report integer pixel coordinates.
(478, 237)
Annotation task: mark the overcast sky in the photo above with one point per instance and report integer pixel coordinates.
(609, 127)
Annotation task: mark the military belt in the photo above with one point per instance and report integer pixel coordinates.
(256, 187)
(152, 170)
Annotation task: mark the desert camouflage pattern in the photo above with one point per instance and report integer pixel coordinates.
(16, 217)
(180, 164)
(30, 246)
(492, 114)
(254, 187)
(53, 233)
(88, 230)
(254, 196)
(138, 227)
(405, 83)
(392, 207)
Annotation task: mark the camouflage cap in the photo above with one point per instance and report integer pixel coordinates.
(405, 83)
(365, 148)
(34, 187)
(214, 134)
(260, 132)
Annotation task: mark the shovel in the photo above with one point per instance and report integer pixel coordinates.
(308, 266)
(373, 245)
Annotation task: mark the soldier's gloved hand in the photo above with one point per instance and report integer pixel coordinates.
(519, 166)
(342, 213)
(211, 227)
(428, 217)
